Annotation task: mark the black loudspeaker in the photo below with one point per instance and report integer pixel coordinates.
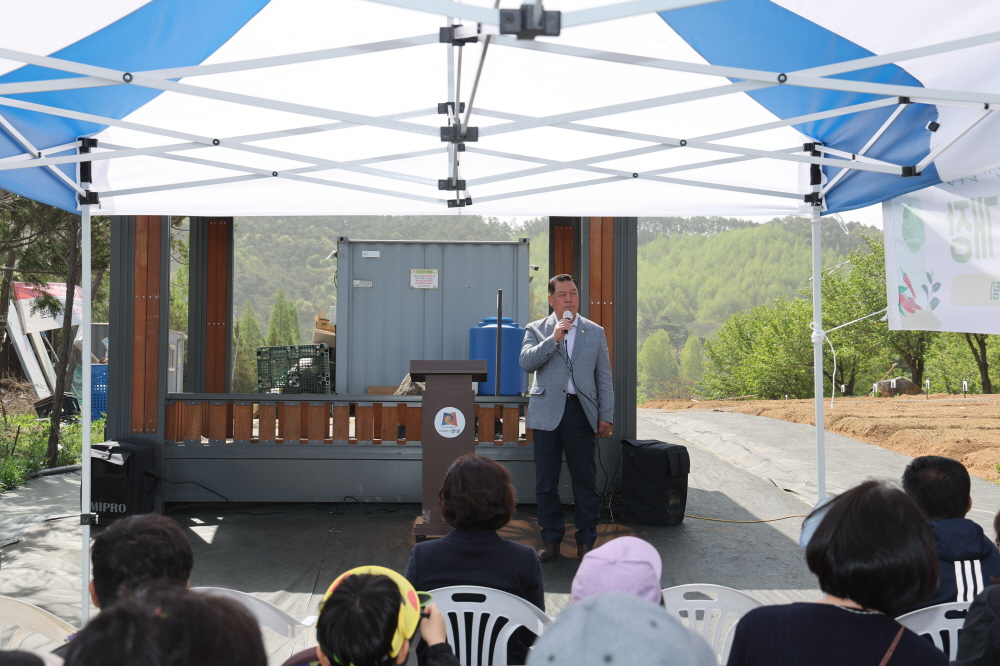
(119, 483)
(654, 482)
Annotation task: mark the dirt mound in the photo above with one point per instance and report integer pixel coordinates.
(964, 428)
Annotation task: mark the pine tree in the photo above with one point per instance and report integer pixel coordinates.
(657, 367)
(292, 333)
(246, 339)
(277, 327)
(692, 357)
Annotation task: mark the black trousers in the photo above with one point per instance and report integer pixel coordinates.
(576, 438)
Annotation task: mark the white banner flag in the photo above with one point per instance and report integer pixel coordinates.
(942, 271)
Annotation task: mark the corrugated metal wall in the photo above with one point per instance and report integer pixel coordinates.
(383, 323)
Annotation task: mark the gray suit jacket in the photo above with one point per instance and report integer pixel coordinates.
(591, 373)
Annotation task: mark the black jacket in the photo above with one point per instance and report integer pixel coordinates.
(483, 558)
(967, 559)
(979, 642)
(477, 557)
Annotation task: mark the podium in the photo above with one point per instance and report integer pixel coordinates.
(448, 433)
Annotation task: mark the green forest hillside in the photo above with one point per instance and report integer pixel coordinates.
(291, 254)
(693, 276)
(693, 272)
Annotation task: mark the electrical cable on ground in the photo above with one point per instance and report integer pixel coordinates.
(767, 520)
(338, 510)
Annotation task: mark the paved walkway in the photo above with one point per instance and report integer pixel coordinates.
(739, 465)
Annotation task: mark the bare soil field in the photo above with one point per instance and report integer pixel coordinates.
(964, 428)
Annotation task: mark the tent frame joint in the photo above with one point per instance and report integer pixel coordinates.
(451, 185)
(909, 172)
(530, 21)
(451, 34)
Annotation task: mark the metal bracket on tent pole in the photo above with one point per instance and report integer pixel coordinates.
(460, 203)
(88, 518)
(814, 198)
(88, 196)
(458, 35)
(530, 21)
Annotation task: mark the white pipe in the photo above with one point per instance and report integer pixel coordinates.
(817, 340)
(86, 407)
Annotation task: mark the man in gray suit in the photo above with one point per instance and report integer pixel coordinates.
(571, 400)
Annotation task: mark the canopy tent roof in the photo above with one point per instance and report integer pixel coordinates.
(302, 107)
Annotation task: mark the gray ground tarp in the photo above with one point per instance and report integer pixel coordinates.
(289, 558)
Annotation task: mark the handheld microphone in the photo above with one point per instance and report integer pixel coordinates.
(567, 316)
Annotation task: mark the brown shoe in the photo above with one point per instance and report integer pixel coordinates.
(583, 548)
(548, 551)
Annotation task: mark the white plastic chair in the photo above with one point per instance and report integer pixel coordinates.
(942, 623)
(718, 616)
(471, 612)
(266, 613)
(30, 620)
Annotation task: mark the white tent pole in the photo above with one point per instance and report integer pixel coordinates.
(86, 407)
(818, 335)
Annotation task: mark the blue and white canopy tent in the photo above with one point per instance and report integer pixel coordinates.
(634, 108)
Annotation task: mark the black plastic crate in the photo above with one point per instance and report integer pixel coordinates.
(294, 369)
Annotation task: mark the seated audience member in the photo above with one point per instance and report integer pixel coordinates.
(134, 551)
(874, 556)
(368, 618)
(979, 641)
(167, 625)
(477, 499)
(968, 559)
(626, 564)
(620, 629)
(26, 657)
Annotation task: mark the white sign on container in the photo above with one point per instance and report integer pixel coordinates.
(424, 278)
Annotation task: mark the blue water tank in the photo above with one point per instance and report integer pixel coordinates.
(483, 345)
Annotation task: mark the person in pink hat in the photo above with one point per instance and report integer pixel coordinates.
(626, 564)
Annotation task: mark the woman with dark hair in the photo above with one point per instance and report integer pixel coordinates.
(477, 498)
(166, 625)
(875, 558)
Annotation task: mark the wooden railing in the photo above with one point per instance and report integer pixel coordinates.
(327, 419)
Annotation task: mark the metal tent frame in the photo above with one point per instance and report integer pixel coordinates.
(174, 144)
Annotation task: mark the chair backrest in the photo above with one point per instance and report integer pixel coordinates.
(710, 610)
(29, 620)
(480, 621)
(266, 613)
(940, 624)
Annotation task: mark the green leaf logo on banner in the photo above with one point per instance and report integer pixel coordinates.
(913, 229)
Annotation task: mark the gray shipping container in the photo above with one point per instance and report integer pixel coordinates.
(383, 322)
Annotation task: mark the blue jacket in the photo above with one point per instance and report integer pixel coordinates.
(967, 558)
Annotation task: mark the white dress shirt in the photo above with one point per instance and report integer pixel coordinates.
(569, 339)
